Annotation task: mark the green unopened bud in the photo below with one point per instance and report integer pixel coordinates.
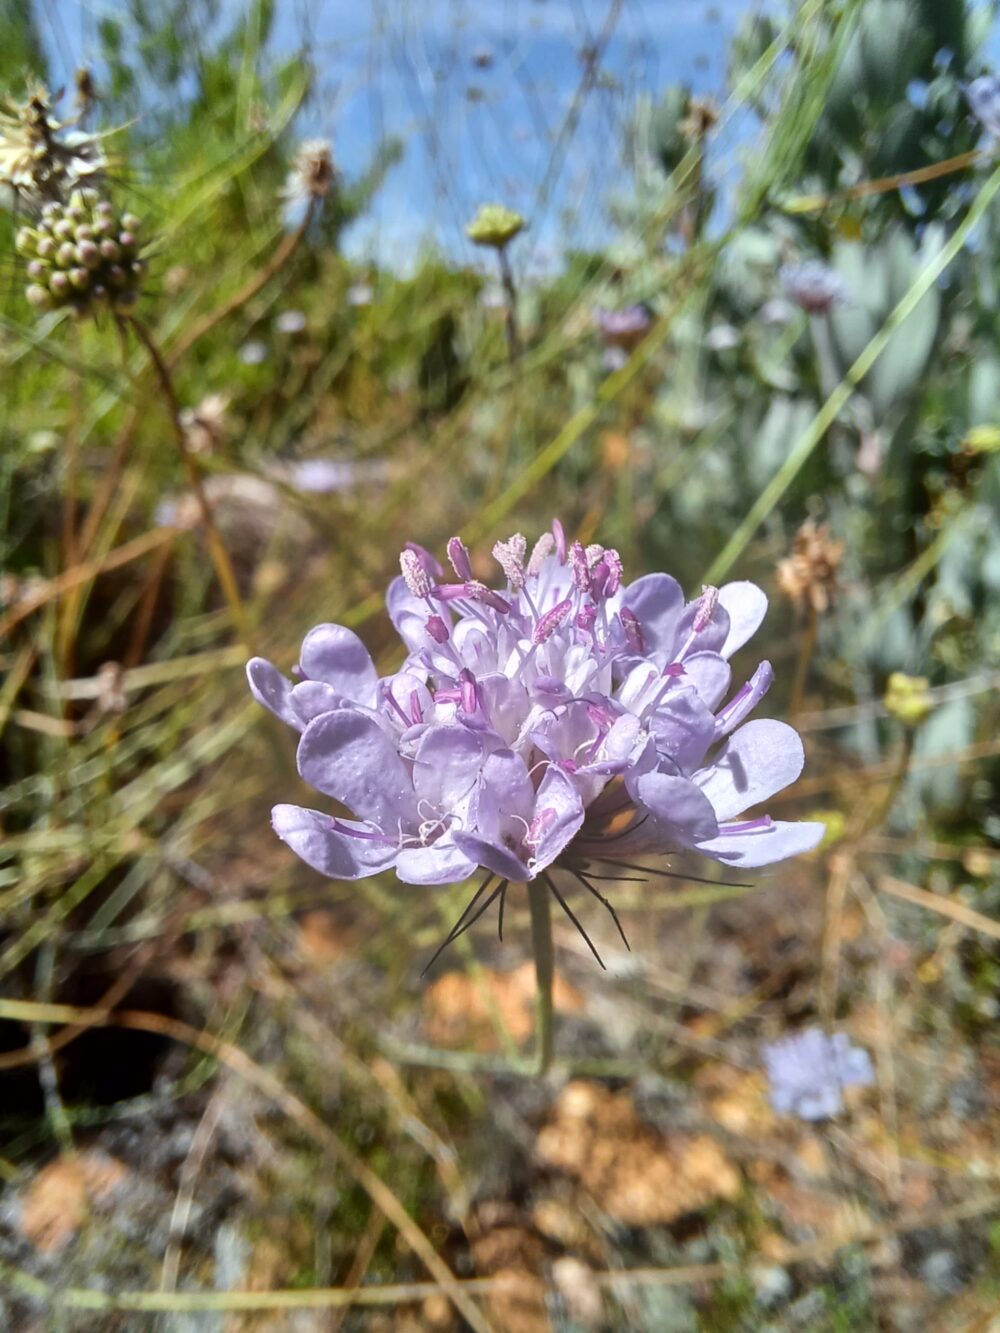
(88, 254)
(130, 222)
(908, 699)
(982, 440)
(26, 241)
(77, 263)
(495, 226)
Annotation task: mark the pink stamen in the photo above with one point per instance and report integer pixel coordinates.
(615, 571)
(706, 609)
(536, 829)
(633, 630)
(760, 825)
(468, 691)
(437, 629)
(551, 621)
(581, 570)
(459, 556)
(543, 548)
(415, 576)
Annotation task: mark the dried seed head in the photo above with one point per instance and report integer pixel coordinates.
(313, 174)
(808, 575)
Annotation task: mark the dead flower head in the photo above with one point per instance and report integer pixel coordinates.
(42, 158)
(205, 425)
(313, 174)
(808, 576)
(702, 117)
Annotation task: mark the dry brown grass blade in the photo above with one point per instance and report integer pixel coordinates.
(402, 1293)
(936, 902)
(84, 573)
(240, 1063)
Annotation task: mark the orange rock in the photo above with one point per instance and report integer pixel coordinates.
(634, 1173)
(321, 938)
(465, 1010)
(56, 1203)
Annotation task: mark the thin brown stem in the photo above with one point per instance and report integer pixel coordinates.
(220, 556)
(289, 244)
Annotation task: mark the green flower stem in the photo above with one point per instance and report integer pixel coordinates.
(510, 293)
(541, 945)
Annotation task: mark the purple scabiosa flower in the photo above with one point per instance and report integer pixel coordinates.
(624, 328)
(553, 724)
(809, 1071)
(983, 95)
(814, 286)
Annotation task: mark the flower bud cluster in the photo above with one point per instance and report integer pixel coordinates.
(82, 254)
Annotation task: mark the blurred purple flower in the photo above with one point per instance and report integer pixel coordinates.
(563, 719)
(361, 293)
(624, 328)
(983, 95)
(290, 321)
(814, 286)
(253, 353)
(809, 1071)
(613, 358)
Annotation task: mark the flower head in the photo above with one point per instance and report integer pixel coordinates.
(908, 698)
(983, 95)
(42, 158)
(494, 226)
(624, 328)
(82, 255)
(809, 1071)
(814, 286)
(562, 719)
(808, 575)
(313, 174)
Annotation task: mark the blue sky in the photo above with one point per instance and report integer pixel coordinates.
(408, 68)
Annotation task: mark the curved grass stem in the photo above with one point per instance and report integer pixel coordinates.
(220, 556)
